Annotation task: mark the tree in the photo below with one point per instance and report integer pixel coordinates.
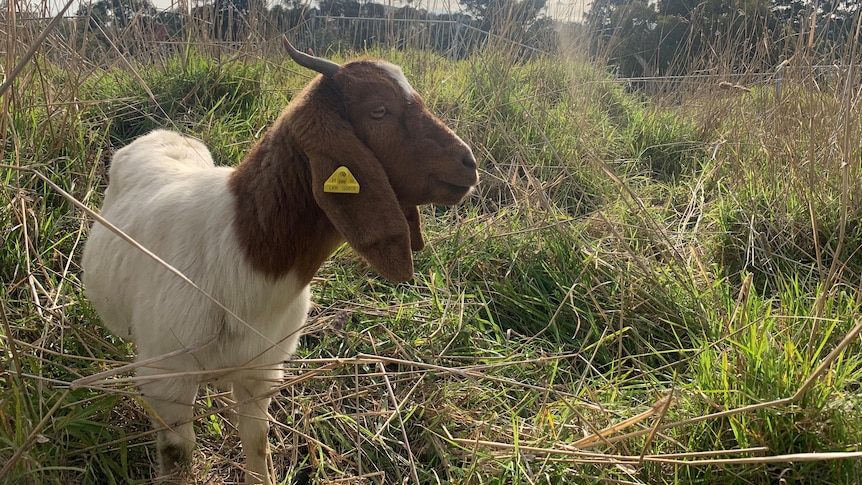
(625, 32)
(823, 32)
(504, 15)
(234, 19)
(115, 14)
(678, 36)
(340, 8)
(288, 14)
(128, 25)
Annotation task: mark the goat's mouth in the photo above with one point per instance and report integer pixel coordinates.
(452, 194)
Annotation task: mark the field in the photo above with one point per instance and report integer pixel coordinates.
(649, 286)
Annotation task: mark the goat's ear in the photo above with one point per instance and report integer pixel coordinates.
(366, 212)
(411, 213)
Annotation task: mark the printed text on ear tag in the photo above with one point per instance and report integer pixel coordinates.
(341, 182)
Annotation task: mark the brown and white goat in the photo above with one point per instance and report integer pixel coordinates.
(350, 158)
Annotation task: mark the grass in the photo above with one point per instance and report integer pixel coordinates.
(621, 253)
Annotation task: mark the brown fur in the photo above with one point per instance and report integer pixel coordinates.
(283, 218)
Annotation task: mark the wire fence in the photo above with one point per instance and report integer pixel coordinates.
(455, 39)
(104, 38)
(822, 77)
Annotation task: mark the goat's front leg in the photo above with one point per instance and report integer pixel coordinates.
(252, 422)
(171, 407)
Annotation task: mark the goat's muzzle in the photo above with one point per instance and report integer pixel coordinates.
(456, 183)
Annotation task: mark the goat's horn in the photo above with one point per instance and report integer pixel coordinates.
(323, 66)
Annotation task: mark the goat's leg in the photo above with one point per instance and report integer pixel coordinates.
(252, 422)
(171, 407)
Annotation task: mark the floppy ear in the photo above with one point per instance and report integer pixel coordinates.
(370, 218)
(411, 213)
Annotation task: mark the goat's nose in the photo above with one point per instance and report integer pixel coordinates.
(469, 161)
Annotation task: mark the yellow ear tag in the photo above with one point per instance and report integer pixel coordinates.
(341, 182)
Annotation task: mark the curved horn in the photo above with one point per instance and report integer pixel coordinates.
(323, 66)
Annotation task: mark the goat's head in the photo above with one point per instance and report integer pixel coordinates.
(365, 116)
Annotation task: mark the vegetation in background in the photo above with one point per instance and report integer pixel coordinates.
(726, 37)
(643, 289)
(328, 24)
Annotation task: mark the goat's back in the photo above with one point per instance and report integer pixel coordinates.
(160, 157)
(165, 193)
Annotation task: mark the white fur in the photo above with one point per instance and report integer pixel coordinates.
(153, 182)
(398, 75)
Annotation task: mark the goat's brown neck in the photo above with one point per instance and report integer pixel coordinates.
(278, 224)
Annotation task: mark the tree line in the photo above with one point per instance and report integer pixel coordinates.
(677, 37)
(637, 37)
(237, 20)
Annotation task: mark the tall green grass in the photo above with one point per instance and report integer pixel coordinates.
(618, 251)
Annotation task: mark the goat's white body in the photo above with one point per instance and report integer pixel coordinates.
(154, 183)
(166, 193)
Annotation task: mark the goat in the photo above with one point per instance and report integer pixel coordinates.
(350, 158)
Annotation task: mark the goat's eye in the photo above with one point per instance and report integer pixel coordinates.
(378, 112)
